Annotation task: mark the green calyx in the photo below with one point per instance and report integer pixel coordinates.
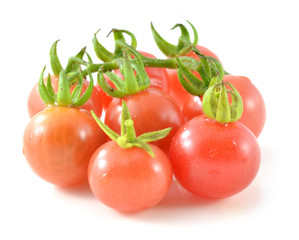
(208, 69)
(184, 45)
(107, 56)
(128, 60)
(127, 138)
(64, 96)
(67, 77)
(72, 66)
(135, 76)
(216, 104)
(54, 60)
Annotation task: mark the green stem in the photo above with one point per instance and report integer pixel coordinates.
(131, 135)
(160, 63)
(131, 85)
(64, 97)
(128, 138)
(170, 63)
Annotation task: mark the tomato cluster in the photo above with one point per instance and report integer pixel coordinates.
(211, 146)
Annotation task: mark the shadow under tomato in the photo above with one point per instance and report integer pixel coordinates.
(82, 190)
(180, 206)
(178, 196)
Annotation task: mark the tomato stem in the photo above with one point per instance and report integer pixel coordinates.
(64, 97)
(131, 84)
(128, 138)
(131, 135)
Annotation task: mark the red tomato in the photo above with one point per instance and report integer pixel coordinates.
(158, 77)
(176, 90)
(192, 107)
(151, 110)
(129, 179)
(254, 109)
(59, 142)
(35, 104)
(205, 52)
(214, 160)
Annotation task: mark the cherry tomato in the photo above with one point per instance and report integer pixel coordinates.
(214, 160)
(151, 110)
(176, 90)
(205, 51)
(158, 77)
(192, 107)
(35, 104)
(129, 179)
(59, 142)
(254, 109)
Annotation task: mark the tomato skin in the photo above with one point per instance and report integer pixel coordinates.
(214, 160)
(254, 109)
(35, 104)
(158, 77)
(192, 107)
(176, 90)
(58, 143)
(151, 110)
(129, 179)
(205, 51)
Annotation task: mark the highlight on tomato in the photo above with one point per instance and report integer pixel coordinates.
(128, 174)
(59, 141)
(214, 155)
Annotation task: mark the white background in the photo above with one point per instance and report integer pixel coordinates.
(257, 39)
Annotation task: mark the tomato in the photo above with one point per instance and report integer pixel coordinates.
(151, 110)
(35, 104)
(192, 107)
(254, 109)
(214, 160)
(59, 142)
(129, 179)
(158, 77)
(205, 51)
(176, 90)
